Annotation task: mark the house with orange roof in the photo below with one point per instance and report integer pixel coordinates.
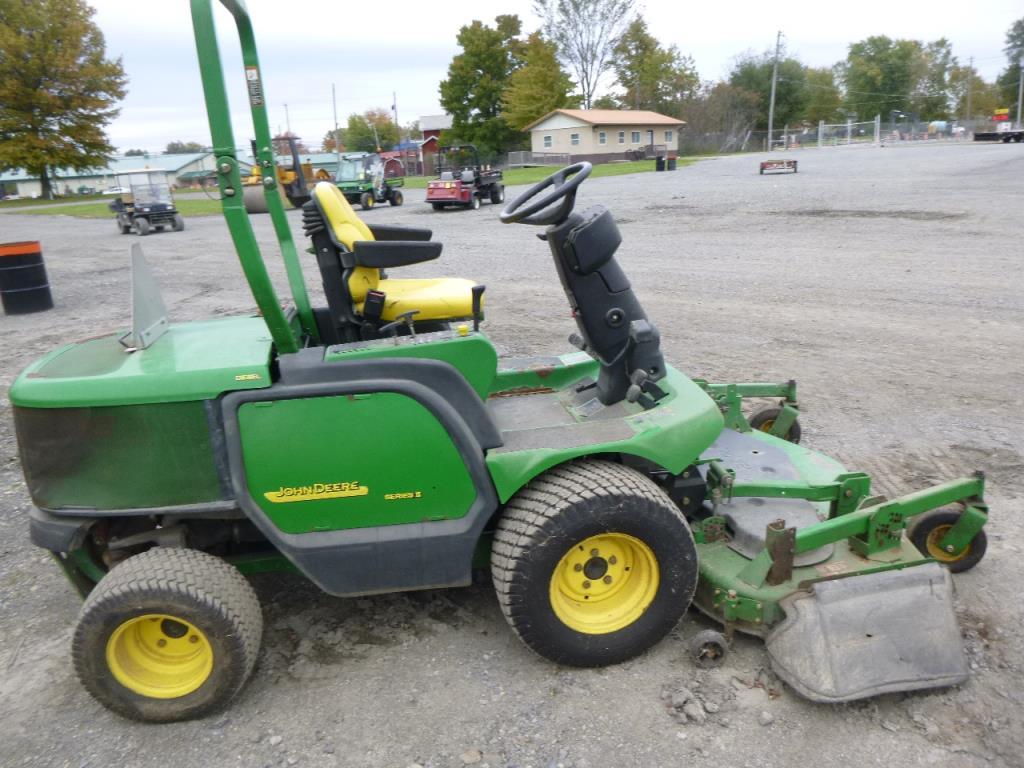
(600, 135)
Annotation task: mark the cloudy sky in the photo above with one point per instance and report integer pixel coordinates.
(369, 50)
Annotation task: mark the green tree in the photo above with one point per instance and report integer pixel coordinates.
(753, 74)
(372, 131)
(1009, 79)
(654, 78)
(585, 32)
(538, 87)
(823, 97)
(333, 141)
(58, 90)
(135, 153)
(183, 147)
(880, 75)
(931, 97)
(984, 97)
(477, 79)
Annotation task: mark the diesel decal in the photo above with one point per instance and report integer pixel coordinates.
(406, 495)
(286, 494)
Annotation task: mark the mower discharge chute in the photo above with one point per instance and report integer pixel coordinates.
(377, 443)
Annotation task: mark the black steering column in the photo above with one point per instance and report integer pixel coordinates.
(614, 328)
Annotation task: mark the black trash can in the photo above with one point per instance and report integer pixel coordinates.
(23, 284)
(659, 163)
(671, 163)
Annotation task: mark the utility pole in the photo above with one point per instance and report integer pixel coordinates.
(394, 110)
(287, 119)
(970, 82)
(337, 137)
(775, 76)
(1020, 86)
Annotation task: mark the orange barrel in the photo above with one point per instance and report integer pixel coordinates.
(23, 284)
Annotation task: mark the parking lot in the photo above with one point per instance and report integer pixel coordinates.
(887, 281)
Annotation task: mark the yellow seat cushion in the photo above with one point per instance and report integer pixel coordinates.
(439, 298)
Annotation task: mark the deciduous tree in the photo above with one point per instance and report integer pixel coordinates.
(653, 77)
(753, 74)
(880, 75)
(135, 153)
(183, 147)
(333, 141)
(823, 97)
(586, 32)
(477, 78)
(1009, 79)
(58, 90)
(538, 87)
(931, 97)
(372, 131)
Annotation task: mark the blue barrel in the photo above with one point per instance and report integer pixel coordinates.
(23, 284)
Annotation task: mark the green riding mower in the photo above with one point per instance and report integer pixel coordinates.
(379, 444)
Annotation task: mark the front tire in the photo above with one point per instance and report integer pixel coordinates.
(396, 198)
(497, 194)
(169, 634)
(593, 564)
(142, 227)
(179, 222)
(367, 201)
(474, 203)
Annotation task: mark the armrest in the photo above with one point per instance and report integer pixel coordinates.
(399, 253)
(393, 232)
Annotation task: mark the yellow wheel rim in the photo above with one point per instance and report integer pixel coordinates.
(159, 656)
(604, 583)
(934, 547)
(766, 426)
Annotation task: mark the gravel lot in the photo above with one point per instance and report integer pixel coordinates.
(887, 281)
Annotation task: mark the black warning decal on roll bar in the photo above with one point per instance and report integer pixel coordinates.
(252, 80)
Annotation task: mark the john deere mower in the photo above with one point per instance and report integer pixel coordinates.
(377, 443)
(368, 179)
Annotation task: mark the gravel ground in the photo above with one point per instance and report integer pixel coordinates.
(887, 281)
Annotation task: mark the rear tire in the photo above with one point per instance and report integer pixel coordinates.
(142, 227)
(169, 634)
(592, 563)
(437, 206)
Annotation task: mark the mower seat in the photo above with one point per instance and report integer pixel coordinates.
(439, 298)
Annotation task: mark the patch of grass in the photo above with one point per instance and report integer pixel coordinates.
(27, 202)
(201, 207)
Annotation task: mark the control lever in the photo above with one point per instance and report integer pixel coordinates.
(478, 295)
(403, 319)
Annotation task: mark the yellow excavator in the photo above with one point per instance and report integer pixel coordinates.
(293, 183)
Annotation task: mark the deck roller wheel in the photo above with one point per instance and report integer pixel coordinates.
(593, 563)
(169, 634)
(709, 648)
(764, 419)
(926, 532)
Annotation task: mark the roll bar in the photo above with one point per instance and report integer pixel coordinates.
(286, 337)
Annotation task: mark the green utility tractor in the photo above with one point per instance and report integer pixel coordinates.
(352, 445)
(368, 179)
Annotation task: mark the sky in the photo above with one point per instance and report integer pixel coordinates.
(370, 51)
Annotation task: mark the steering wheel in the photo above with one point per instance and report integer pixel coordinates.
(544, 211)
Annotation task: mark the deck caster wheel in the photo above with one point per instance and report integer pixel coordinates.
(927, 531)
(709, 648)
(764, 419)
(169, 634)
(592, 563)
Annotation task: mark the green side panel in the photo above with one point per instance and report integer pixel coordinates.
(192, 361)
(472, 355)
(671, 435)
(118, 457)
(556, 373)
(351, 461)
